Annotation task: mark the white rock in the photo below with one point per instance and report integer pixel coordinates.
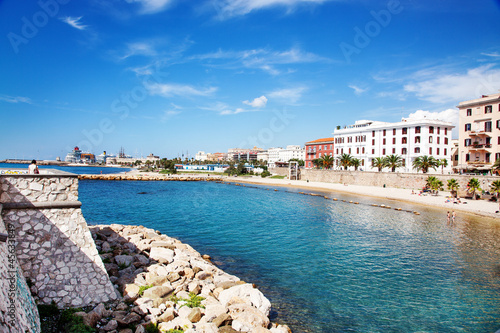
(161, 253)
(249, 294)
(246, 317)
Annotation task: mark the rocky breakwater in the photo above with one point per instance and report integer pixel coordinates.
(150, 177)
(169, 285)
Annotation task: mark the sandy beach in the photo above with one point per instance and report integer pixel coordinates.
(475, 207)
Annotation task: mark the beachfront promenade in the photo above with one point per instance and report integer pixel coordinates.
(476, 207)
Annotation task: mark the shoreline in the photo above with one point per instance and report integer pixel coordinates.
(480, 208)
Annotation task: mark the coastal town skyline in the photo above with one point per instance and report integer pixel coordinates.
(169, 76)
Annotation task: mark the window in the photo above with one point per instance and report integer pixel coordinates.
(487, 126)
(437, 151)
(499, 140)
(394, 150)
(445, 152)
(467, 142)
(445, 131)
(337, 151)
(357, 150)
(383, 141)
(363, 150)
(430, 139)
(393, 131)
(383, 133)
(467, 127)
(488, 108)
(403, 162)
(417, 129)
(467, 157)
(405, 130)
(417, 150)
(487, 157)
(373, 142)
(373, 133)
(437, 140)
(417, 139)
(393, 141)
(326, 147)
(469, 112)
(373, 151)
(430, 150)
(445, 141)
(497, 156)
(319, 148)
(404, 140)
(383, 151)
(439, 129)
(431, 129)
(341, 151)
(498, 123)
(349, 150)
(403, 151)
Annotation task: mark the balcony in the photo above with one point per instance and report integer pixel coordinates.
(479, 147)
(479, 132)
(478, 162)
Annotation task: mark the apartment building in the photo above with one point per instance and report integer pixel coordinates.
(317, 149)
(284, 155)
(479, 132)
(409, 138)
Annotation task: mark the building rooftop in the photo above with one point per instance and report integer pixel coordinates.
(481, 100)
(321, 140)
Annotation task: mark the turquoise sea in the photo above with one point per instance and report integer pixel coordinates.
(326, 266)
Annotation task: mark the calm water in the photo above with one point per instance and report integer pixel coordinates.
(326, 266)
(79, 170)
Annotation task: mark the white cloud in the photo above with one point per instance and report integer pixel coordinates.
(224, 109)
(290, 95)
(262, 59)
(151, 6)
(444, 87)
(172, 89)
(168, 114)
(15, 99)
(449, 115)
(357, 90)
(74, 22)
(492, 54)
(140, 48)
(230, 8)
(258, 102)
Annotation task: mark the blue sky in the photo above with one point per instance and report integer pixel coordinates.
(173, 77)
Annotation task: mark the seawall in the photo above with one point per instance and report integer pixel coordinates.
(53, 244)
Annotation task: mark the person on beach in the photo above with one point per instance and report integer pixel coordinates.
(453, 216)
(448, 217)
(33, 168)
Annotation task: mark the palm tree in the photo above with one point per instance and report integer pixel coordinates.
(379, 163)
(327, 161)
(435, 184)
(393, 162)
(453, 186)
(424, 163)
(474, 186)
(317, 163)
(495, 187)
(496, 165)
(344, 160)
(443, 163)
(355, 162)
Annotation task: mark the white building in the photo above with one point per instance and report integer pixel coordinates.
(263, 156)
(410, 138)
(201, 156)
(284, 155)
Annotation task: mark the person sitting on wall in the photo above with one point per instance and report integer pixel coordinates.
(33, 168)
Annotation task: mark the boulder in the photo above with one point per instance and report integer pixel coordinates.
(157, 292)
(195, 315)
(111, 325)
(129, 319)
(223, 319)
(246, 317)
(168, 315)
(249, 294)
(280, 329)
(161, 254)
(124, 260)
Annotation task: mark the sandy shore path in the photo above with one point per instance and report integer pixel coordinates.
(475, 207)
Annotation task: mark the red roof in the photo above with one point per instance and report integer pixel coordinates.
(321, 140)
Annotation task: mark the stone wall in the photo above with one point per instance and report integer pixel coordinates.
(389, 179)
(18, 311)
(54, 246)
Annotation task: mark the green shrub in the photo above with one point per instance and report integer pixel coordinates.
(265, 173)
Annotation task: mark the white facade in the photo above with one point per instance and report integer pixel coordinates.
(201, 156)
(409, 139)
(284, 155)
(263, 156)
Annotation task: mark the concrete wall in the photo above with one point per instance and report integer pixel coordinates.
(54, 246)
(390, 179)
